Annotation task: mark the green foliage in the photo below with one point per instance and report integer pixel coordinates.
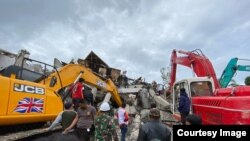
(247, 80)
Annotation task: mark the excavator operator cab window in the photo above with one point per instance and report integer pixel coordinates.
(53, 81)
(30, 70)
(201, 88)
(21, 73)
(176, 95)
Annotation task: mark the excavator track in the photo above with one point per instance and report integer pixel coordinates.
(16, 128)
(28, 135)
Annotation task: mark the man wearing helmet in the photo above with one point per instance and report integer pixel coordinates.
(104, 125)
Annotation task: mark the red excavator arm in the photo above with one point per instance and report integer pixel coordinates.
(195, 60)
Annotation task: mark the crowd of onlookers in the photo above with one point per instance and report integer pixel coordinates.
(81, 121)
(81, 118)
(88, 125)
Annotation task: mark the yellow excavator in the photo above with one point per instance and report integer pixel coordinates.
(28, 96)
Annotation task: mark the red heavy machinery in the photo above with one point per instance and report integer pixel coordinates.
(215, 105)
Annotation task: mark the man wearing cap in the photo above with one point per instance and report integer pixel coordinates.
(65, 117)
(104, 125)
(154, 129)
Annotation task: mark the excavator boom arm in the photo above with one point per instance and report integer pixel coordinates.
(230, 70)
(195, 60)
(70, 72)
(243, 68)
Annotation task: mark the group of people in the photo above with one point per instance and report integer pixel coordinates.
(87, 125)
(82, 123)
(80, 117)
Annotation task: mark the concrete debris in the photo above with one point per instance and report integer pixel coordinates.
(131, 110)
(129, 90)
(107, 97)
(144, 99)
(139, 105)
(140, 118)
(133, 129)
(162, 103)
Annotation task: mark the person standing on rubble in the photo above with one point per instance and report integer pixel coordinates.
(122, 116)
(104, 125)
(84, 121)
(77, 93)
(184, 105)
(154, 129)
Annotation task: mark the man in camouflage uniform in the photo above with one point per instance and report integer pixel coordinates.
(104, 125)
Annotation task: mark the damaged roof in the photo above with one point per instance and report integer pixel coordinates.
(94, 59)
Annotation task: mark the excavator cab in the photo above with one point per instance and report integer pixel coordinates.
(24, 96)
(30, 70)
(195, 87)
(203, 88)
(21, 73)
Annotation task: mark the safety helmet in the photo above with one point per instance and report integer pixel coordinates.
(154, 112)
(104, 107)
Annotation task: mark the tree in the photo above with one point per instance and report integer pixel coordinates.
(247, 80)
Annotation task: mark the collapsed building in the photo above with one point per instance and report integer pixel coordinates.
(97, 65)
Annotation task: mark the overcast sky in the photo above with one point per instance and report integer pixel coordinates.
(133, 35)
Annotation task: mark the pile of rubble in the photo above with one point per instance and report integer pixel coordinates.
(139, 99)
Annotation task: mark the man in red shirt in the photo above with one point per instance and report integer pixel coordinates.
(77, 93)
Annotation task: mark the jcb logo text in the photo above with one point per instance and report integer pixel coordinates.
(28, 89)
